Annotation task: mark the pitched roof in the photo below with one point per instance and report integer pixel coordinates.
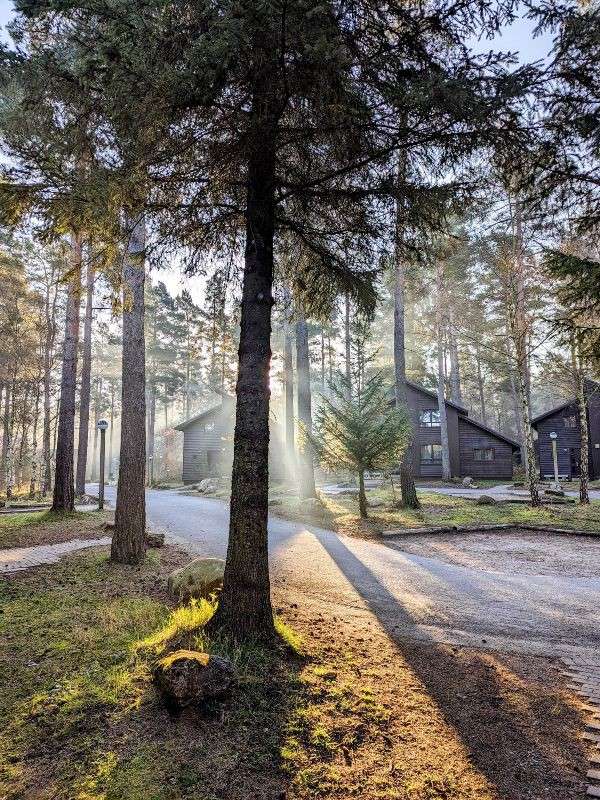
(492, 431)
(458, 406)
(552, 411)
(204, 414)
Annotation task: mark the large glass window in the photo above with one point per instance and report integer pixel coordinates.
(431, 454)
(430, 418)
(484, 454)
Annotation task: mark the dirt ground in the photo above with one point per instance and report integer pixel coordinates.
(357, 713)
(510, 551)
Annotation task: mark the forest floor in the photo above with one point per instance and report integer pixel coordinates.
(340, 512)
(343, 710)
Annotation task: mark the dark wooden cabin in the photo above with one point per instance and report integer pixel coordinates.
(208, 444)
(475, 449)
(564, 421)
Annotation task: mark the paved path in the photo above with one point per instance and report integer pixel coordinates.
(420, 596)
(14, 559)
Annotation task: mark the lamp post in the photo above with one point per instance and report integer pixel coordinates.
(102, 426)
(553, 438)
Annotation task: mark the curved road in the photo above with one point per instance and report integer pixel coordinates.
(417, 596)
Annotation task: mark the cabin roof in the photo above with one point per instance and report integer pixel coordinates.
(492, 431)
(204, 414)
(458, 406)
(552, 411)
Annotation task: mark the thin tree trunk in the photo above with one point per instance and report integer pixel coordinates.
(128, 542)
(85, 388)
(245, 603)
(480, 385)
(347, 345)
(579, 381)
(446, 468)
(94, 464)
(151, 434)
(34, 443)
(64, 489)
(288, 369)
(407, 483)
(306, 473)
(455, 387)
(50, 315)
(362, 496)
(9, 441)
(322, 359)
(5, 438)
(112, 427)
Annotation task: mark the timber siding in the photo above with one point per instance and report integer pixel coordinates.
(568, 441)
(464, 437)
(208, 445)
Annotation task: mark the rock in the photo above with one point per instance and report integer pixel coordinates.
(275, 501)
(208, 485)
(311, 504)
(155, 539)
(554, 492)
(376, 503)
(188, 677)
(200, 578)
(468, 481)
(109, 526)
(486, 500)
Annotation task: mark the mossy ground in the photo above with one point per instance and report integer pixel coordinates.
(47, 527)
(340, 513)
(339, 710)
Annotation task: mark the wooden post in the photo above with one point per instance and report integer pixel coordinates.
(102, 426)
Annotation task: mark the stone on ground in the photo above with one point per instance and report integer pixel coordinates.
(200, 578)
(469, 482)
(189, 677)
(155, 539)
(555, 491)
(208, 485)
(486, 500)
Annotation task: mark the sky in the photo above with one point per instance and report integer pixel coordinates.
(517, 38)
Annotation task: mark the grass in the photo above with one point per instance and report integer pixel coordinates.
(340, 513)
(48, 527)
(336, 712)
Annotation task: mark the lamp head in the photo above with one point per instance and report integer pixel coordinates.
(102, 424)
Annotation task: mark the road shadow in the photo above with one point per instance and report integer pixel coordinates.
(524, 734)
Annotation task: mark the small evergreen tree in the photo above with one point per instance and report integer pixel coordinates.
(360, 430)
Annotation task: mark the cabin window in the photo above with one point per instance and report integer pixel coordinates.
(431, 454)
(484, 454)
(570, 422)
(209, 426)
(430, 418)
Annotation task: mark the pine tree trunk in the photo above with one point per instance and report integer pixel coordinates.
(480, 386)
(407, 484)
(50, 314)
(85, 386)
(34, 444)
(362, 497)
(128, 542)
(245, 604)
(322, 360)
(94, 464)
(5, 439)
(8, 468)
(151, 434)
(446, 468)
(64, 488)
(455, 387)
(112, 427)
(579, 380)
(288, 368)
(306, 473)
(347, 346)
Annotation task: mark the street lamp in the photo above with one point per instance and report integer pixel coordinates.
(553, 438)
(102, 425)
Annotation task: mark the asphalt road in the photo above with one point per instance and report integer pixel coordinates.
(410, 595)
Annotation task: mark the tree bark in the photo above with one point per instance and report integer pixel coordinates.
(347, 346)
(112, 427)
(128, 542)
(34, 444)
(579, 381)
(480, 385)
(455, 387)
(446, 468)
(244, 608)
(50, 318)
(362, 496)
(64, 489)
(306, 473)
(288, 369)
(94, 464)
(407, 484)
(5, 438)
(85, 388)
